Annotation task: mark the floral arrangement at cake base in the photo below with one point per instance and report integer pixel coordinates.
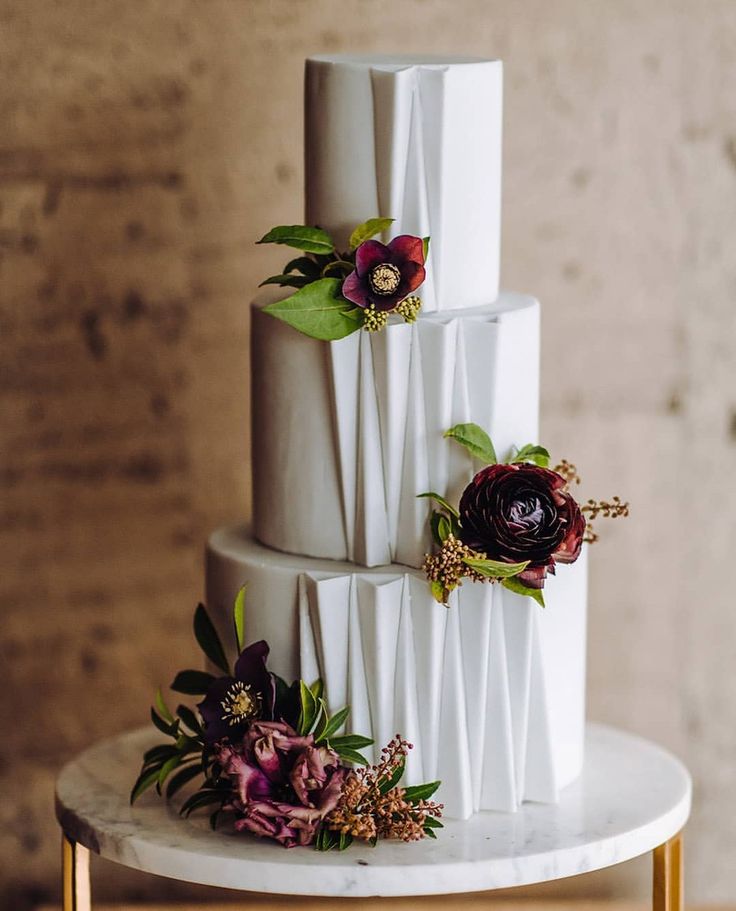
(338, 292)
(270, 758)
(516, 520)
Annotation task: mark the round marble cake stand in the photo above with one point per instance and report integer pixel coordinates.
(632, 797)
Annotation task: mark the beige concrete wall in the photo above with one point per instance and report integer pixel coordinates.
(143, 148)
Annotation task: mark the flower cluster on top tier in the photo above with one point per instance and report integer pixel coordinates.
(272, 758)
(337, 292)
(515, 521)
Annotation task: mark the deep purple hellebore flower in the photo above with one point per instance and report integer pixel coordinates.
(285, 785)
(232, 703)
(385, 274)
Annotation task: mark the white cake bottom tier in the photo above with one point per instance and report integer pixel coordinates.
(347, 433)
(491, 691)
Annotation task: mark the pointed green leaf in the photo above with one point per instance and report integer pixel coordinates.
(311, 240)
(475, 440)
(169, 729)
(538, 455)
(182, 777)
(286, 281)
(190, 720)
(431, 495)
(495, 569)
(444, 528)
(350, 742)
(309, 709)
(239, 619)
(162, 708)
(331, 726)
(318, 688)
(167, 768)
(304, 264)
(421, 791)
(317, 310)
(350, 755)
(513, 585)
(159, 753)
(345, 841)
(367, 230)
(199, 799)
(425, 247)
(439, 592)
(192, 683)
(429, 832)
(431, 822)
(145, 780)
(208, 639)
(385, 784)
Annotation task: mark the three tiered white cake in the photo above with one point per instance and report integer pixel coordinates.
(347, 433)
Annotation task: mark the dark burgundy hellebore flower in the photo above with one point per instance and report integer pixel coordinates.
(232, 703)
(385, 274)
(515, 513)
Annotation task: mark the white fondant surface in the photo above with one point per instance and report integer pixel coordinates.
(490, 691)
(347, 433)
(631, 797)
(418, 140)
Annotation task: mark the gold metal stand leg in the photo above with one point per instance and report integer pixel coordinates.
(75, 866)
(667, 893)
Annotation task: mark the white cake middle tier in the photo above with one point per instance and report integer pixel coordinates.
(491, 691)
(346, 434)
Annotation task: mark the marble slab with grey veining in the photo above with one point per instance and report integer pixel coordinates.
(631, 797)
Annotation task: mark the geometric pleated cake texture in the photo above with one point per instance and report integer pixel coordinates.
(346, 434)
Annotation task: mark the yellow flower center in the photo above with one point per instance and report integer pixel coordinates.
(384, 279)
(240, 704)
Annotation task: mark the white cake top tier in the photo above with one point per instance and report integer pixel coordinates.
(417, 139)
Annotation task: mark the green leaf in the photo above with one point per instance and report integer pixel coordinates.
(444, 528)
(421, 791)
(208, 639)
(192, 683)
(350, 742)
(367, 230)
(182, 777)
(190, 720)
(303, 264)
(345, 841)
(350, 755)
(513, 585)
(327, 840)
(431, 495)
(167, 768)
(145, 780)
(431, 822)
(475, 440)
(385, 784)
(286, 281)
(201, 798)
(318, 688)
(308, 713)
(159, 753)
(311, 240)
(425, 247)
(330, 726)
(538, 455)
(495, 569)
(169, 729)
(239, 619)
(429, 832)
(439, 592)
(163, 709)
(317, 310)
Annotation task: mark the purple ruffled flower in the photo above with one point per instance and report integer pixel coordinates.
(385, 274)
(285, 784)
(232, 703)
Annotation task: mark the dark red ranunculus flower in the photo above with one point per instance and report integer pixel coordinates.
(385, 274)
(232, 703)
(514, 513)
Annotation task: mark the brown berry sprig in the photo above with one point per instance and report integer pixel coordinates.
(608, 509)
(447, 567)
(369, 811)
(568, 471)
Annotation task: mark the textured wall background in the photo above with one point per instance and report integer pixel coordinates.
(144, 147)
